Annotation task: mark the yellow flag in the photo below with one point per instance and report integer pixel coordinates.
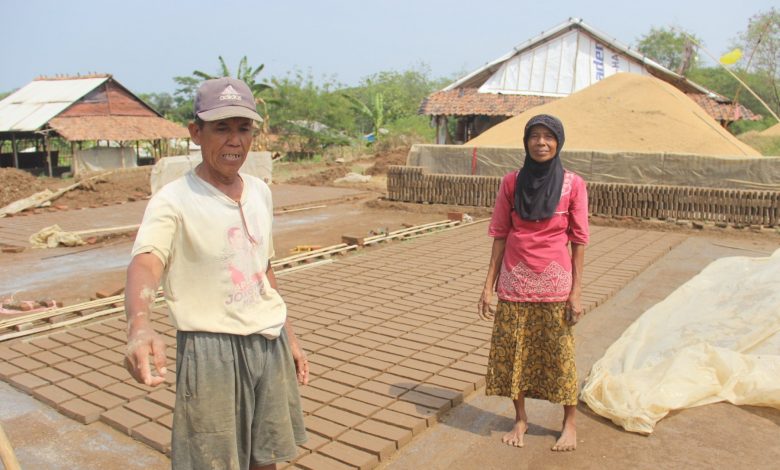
(732, 57)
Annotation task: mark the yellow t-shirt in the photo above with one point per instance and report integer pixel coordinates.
(214, 278)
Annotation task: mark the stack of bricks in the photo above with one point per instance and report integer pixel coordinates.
(392, 335)
(730, 206)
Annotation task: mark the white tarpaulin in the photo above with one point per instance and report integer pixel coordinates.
(104, 158)
(167, 169)
(560, 67)
(715, 338)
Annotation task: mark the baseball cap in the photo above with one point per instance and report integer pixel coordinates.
(226, 97)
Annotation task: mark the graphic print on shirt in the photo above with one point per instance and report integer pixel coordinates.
(524, 285)
(241, 261)
(568, 177)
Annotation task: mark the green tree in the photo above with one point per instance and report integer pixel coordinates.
(308, 116)
(245, 73)
(402, 92)
(720, 81)
(760, 43)
(184, 96)
(374, 111)
(671, 48)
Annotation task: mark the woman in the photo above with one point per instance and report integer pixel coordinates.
(539, 210)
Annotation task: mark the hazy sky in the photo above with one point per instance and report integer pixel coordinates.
(146, 43)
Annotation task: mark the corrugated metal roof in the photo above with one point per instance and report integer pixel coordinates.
(33, 105)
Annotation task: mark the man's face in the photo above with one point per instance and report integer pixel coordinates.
(542, 144)
(224, 144)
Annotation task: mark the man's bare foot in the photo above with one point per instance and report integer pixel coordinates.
(567, 441)
(515, 436)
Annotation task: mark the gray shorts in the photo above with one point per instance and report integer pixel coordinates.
(237, 402)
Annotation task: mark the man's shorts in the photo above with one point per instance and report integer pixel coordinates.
(237, 402)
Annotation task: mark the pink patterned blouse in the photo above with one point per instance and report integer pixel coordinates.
(537, 264)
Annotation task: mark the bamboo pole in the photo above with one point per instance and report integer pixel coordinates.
(7, 452)
(734, 75)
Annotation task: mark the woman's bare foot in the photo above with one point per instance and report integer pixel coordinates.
(568, 439)
(515, 436)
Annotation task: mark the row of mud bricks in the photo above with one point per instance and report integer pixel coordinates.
(731, 206)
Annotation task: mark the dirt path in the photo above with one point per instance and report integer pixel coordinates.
(714, 436)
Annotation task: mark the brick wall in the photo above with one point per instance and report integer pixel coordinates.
(732, 206)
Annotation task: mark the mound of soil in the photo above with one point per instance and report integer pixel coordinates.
(773, 131)
(19, 184)
(626, 112)
(387, 159)
(113, 188)
(321, 178)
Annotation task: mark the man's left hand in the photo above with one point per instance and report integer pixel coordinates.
(301, 363)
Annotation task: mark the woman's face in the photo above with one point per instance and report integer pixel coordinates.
(542, 144)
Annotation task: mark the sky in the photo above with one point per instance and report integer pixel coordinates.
(144, 44)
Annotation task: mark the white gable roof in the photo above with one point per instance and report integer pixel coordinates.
(35, 104)
(560, 66)
(561, 61)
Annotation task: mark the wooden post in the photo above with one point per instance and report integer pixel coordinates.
(15, 152)
(73, 163)
(441, 130)
(48, 153)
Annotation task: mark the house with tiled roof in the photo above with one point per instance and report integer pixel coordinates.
(553, 65)
(78, 109)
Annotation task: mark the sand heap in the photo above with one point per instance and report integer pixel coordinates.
(626, 112)
(773, 131)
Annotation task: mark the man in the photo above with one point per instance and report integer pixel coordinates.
(207, 236)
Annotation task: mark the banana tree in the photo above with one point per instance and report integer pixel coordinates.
(374, 113)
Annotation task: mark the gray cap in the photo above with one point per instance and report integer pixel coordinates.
(226, 97)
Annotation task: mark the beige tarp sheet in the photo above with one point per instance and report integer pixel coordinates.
(53, 236)
(104, 158)
(167, 169)
(762, 173)
(715, 338)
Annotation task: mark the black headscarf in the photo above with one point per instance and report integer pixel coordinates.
(539, 185)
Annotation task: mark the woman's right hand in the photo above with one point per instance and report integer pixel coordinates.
(486, 311)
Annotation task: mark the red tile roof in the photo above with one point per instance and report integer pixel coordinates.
(469, 102)
(723, 111)
(118, 128)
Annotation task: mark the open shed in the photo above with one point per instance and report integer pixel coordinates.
(79, 109)
(553, 65)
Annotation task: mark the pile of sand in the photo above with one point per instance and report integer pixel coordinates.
(626, 112)
(773, 131)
